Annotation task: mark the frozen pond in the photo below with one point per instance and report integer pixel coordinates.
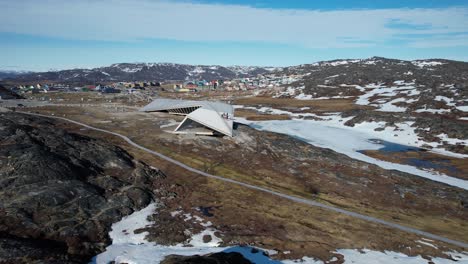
(390, 147)
(350, 141)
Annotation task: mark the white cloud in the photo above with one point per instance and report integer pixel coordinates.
(441, 41)
(130, 20)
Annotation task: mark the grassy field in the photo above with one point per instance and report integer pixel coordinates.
(456, 167)
(328, 105)
(255, 116)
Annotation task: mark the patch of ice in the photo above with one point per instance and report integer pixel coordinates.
(426, 243)
(370, 62)
(303, 96)
(128, 247)
(197, 239)
(325, 86)
(434, 111)
(452, 141)
(123, 231)
(337, 63)
(187, 217)
(402, 88)
(448, 101)
(274, 111)
(175, 213)
(463, 108)
(134, 249)
(333, 76)
(389, 257)
(366, 256)
(332, 133)
(139, 251)
(423, 64)
(131, 70)
(390, 107)
(310, 97)
(198, 70)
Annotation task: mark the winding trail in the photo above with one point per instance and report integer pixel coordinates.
(286, 196)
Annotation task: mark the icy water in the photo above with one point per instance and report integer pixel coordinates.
(393, 147)
(442, 165)
(390, 147)
(206, 211)
(352, 143)
(254, 255)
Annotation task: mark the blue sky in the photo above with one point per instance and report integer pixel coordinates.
(56, 34)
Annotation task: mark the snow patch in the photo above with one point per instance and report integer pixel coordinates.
(330, 132)
(198, 70)
(426, 243)
(367, 256)
(129, 247)
(434, 111)
(372, 90)
(123, 232)
(423, 64)
(463, 108)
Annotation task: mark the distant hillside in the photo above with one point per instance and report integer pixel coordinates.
(377, 70)
(434, 85)
(146, 71)
(314, 76)
(10, 74)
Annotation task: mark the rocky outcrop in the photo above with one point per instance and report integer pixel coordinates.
(7, 94)
(144, 71)
(216, 258)
(60, 192)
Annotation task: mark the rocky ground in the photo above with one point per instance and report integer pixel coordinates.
(241, 216)
(431, 94)
(60, 192)
(61, 188)
(287, 165)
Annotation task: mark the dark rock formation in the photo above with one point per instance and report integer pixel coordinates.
(431, 99)
(7, 94)
(60, 192)
(216, 258)
(144, 71)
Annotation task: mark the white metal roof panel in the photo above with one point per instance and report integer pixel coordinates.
(210, 114)
(168, 104)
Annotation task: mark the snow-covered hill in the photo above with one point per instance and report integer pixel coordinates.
(431, 95)
(147, 71)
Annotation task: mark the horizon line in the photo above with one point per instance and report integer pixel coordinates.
(19, 69)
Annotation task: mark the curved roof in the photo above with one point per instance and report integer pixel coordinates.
(168, 104)
(209, 114)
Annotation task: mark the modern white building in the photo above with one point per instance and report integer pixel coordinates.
(201, 117)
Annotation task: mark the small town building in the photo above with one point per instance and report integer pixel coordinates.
(201, 117)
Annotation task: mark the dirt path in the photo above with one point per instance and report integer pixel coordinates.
(289, 197)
